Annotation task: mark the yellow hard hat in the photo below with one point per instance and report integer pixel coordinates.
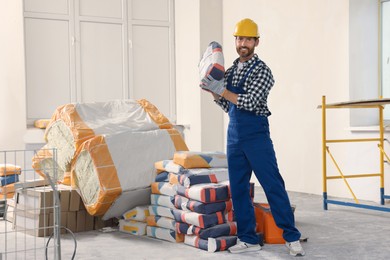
(246, 28)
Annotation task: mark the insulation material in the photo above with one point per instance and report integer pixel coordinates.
(159, 221)
(163, 188)
(8, 179)
(199, 176)
(107, 165)
(212, 62)
(164, 234)
(44, 164)
(138, 213)
(9, 169)
(211, 244)
(211, 192)
(72, 124)
(132, 227)
(184, 203)
(128, 200)
(225, 229)
(191, 159)
(168, 166)
(163, 200)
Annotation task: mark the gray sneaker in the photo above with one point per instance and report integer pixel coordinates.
(242, 247)
(295, 248)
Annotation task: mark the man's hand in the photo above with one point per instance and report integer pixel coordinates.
(215, 86)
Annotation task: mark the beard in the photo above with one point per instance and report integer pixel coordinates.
(245, 52)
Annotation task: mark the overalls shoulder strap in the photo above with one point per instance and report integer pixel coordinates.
(240, 85)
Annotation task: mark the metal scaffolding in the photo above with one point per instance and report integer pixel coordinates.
(373, 104)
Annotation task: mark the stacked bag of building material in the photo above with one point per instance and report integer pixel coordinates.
(161, 223)
(107, 150)
(134, 221)
(9, 175)
(191, 201)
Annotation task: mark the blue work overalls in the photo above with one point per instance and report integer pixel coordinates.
(250, 148)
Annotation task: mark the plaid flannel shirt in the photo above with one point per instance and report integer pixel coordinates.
(256, 87)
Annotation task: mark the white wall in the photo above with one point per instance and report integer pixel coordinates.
(212, 135)
(363, 50)
(187, 43)
(198, 22)
(12, 84)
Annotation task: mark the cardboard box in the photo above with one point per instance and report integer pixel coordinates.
(63, 222)
(64, 200)
(100, 223)
(71, 221)
(28, 222)
(89, 222)
(75, 202)
(80, 220)
(31, 183)
(39, 199)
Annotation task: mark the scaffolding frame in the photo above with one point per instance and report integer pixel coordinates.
(373, 104)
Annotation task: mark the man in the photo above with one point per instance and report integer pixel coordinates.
(243, 95)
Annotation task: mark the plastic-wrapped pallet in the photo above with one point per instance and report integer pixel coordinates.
(108, 165)
(73, 124)
(110, 148)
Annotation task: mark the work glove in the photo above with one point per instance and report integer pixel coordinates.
(210, 84)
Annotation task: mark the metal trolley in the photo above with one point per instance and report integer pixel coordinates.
(30, 212)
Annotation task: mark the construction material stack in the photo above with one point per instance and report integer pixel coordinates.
(106, 150)
(9, 175)
(191, 201)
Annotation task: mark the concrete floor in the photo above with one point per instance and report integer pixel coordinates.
(339, 233)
